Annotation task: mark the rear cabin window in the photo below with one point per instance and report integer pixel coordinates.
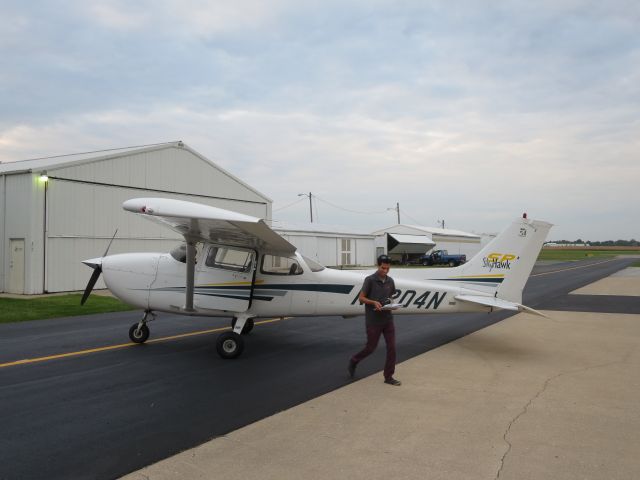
(275, 265)
(229, 259)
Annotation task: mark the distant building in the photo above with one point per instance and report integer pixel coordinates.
(454, 241)
(330, 245)
(58, 211)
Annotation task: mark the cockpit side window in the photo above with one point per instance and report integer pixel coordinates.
(276, 265)
(229, 258)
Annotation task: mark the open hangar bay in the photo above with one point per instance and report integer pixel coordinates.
(116, 408)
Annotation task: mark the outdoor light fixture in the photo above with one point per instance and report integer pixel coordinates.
(44, 177)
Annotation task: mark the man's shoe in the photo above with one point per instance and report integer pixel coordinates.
(393, 381)
(352, 368)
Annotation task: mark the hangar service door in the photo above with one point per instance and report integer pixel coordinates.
(16, 266)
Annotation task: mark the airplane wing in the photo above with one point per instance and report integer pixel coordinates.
(210, 224)
(498, 303)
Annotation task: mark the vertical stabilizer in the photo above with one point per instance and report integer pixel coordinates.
(504, 264)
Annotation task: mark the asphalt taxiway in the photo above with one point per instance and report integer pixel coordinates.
(107, 408)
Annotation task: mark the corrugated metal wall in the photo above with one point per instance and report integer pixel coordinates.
(3, 252)
(23, 218)
(171, 169)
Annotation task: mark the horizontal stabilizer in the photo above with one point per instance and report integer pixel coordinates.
(498, 303)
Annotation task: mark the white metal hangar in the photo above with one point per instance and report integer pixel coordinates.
(455, 241)
(330, 245)
(57, 211)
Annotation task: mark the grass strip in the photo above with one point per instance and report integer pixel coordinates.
(19, 310)
(578, 254)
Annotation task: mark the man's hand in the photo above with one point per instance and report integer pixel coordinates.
(377, 306)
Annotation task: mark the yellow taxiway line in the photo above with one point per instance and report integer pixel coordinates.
(200, 332)
(125, 345)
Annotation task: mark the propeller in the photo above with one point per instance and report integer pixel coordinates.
(96, 264)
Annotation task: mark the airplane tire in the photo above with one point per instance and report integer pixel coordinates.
(229, 345)
(248, 326)
(138, 335)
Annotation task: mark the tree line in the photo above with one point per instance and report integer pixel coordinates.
(607, 243)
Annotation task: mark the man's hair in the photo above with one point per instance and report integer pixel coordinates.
(383, 259)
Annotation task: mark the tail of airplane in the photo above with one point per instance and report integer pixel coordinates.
(503, 266)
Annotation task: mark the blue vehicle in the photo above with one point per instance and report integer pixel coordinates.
(442, 257)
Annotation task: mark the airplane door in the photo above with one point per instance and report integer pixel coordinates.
(224, 280)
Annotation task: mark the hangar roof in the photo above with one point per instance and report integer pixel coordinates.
(419, 229)
(313, 228)
(49, 164)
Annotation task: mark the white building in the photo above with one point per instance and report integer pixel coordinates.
(48, 226)
(330, 245)
(454, 241)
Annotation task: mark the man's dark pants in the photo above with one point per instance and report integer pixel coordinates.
(373, 337)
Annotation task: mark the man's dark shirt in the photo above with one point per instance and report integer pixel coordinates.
(375, 288)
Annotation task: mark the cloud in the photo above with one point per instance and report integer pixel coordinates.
(465, 112)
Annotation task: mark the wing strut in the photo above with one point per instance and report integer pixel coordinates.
(191, 273)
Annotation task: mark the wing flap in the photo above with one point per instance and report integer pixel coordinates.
(209, 224)
(499, 303)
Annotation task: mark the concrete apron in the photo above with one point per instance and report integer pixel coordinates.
(625, 282)
(527, 398)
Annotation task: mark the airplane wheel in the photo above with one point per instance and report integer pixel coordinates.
(229, 345)
(138, 335)
(248, 326)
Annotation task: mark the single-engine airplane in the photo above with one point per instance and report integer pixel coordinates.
(235, 265)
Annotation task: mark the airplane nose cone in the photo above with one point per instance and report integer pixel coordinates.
(93, 262)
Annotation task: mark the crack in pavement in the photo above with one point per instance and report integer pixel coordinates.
(539, 393)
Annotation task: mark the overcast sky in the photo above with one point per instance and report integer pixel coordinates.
(472, 112)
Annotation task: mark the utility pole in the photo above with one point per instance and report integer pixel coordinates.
(397, 209)
(310, 205)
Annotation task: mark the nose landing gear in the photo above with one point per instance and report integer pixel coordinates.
(139, 332)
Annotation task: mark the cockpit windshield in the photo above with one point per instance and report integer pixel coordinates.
(313, 265)
(179, 253)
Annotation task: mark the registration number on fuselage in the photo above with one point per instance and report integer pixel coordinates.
(424, 300)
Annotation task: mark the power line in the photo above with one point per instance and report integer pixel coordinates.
(289, 205)
(347, 209)
(410, 217)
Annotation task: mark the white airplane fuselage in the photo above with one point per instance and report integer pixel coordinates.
(156, 281)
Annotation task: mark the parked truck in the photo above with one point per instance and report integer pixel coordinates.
(442, 257)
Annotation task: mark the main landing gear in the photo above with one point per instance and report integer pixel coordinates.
(139, 332)
(231, 344)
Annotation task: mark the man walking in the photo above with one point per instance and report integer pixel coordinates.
(376, 291)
